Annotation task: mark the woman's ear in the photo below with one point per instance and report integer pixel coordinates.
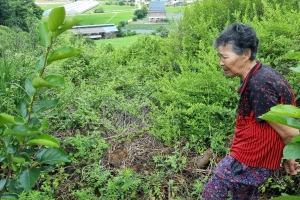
(247, 54)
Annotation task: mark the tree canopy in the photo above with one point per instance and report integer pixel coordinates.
(20, 13)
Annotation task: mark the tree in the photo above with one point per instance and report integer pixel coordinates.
(141, 13)
(20, 13)
(5, 12)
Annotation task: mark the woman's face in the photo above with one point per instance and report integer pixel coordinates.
(232, 64)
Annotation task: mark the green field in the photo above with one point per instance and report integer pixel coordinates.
(119, 42)
(106, 8)
(146, 26)
(105, 18)
(110, 8)
(171, 9)
(47, 7)
(102, 18)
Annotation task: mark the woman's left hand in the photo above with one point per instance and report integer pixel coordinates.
(291, 166)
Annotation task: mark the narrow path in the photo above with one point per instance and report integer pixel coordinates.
(111, 18)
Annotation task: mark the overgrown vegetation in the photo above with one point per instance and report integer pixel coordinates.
(152, 119)
(26, 150)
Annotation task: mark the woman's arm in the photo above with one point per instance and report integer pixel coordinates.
(287, 133)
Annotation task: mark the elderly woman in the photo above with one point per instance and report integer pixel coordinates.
(257, 146)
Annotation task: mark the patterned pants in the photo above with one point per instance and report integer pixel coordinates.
(241, 180)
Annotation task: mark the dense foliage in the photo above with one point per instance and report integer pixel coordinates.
(170, 87)
(19, 13)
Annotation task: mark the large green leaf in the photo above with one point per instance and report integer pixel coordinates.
(56, 18)
(9, 196)
(43, 105)
(29, 177)
(286, 198)
(47, 168)
(19, 120)
(44, 139)
(52, 156)
(62, 53)
(291, 151)
(2, 183)
(39, 82)
(29, 88)
(21, 130)
(280, 119)
(6, 119)
(56, 80)
(292, 55)
(296, 139)
(287, 110)
(44, 126)
(15, 187)
(69, 23)
(23, 106)
(39, 65)
(17, 159)
(44, 34)
(295, 69)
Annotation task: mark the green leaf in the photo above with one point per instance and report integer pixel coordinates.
(291, 151)
(280, 119)
(34, 121)
(69, 23)
(44, 139)
(56, 80)
(29, 177)
(62, 53)
(286, 198)
(21, 130)
(29, 88)
(19, 120)
(44, 126)
(2, 183)
(17, 159)
(48, 168)
(39, 65)
(43, 105)
(295, 69)
(44, 34)
(1, 159)
(9, 196)
(287, 110)
(6, 119)
(296, 139)
(15, 187)
(292, 55)
(39, 82)
(23, 106)
(56, 18)
(53, 156)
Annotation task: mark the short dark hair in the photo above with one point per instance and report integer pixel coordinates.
(242, 37)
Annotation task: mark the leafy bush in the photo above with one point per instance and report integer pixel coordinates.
(134, 18)
(99, 10)
(27, 151)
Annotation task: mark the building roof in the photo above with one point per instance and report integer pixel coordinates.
(93, 26)
(110, 29)
(87, 31)
(94, 29)
(157, 6)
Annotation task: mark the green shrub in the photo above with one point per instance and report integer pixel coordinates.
(99, 10)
